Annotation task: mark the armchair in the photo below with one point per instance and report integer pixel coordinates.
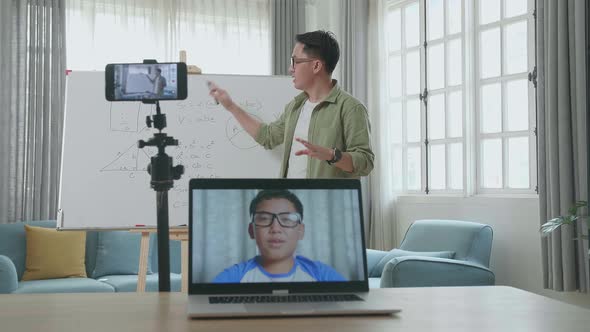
(422, 261)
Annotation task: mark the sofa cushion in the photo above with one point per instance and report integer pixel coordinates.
(128, 283)
(374, 282)
(52, 254)
(378, 268)
(64, 285)
(118, 253)
(13, 242)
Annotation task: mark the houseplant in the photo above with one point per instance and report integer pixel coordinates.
(569, 219)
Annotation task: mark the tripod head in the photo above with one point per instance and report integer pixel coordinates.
(161, 169)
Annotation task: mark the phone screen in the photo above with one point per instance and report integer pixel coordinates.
(147, 82)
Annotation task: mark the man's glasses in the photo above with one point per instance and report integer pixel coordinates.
(295, 61)
(285, 219)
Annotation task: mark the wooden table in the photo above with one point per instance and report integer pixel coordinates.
(456, 309)
(175, 233)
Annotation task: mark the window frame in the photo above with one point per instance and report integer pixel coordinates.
(502, 80)
(470, 86)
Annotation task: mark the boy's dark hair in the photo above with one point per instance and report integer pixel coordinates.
(321, 44)
(264, 195)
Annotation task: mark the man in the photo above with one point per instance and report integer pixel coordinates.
(277, 226)
(332, 126)
(159, 83)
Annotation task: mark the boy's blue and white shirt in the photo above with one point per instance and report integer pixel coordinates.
(304, 269)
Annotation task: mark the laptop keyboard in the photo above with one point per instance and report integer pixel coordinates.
(283, 298)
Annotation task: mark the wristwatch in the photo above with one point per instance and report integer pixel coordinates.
(336, 156)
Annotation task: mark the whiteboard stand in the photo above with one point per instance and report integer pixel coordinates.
(175, 233)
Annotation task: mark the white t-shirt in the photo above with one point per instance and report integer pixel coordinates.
(298, 164)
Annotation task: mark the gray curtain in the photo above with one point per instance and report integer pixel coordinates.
(32, 63)
(353, 67)
(562, 138)
(287, 20)
(353, 48)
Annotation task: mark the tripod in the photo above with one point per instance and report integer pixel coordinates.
(163, 176)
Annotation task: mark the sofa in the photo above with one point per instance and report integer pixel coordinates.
(13, 255)
(435, 253)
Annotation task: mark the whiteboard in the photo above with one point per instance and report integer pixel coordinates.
(104, 179)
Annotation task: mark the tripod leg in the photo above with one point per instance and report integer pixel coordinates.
(163, 242)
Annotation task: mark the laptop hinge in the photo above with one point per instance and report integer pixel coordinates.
(280, 292)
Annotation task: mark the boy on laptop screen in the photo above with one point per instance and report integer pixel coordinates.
(276, 236)
(276, 224)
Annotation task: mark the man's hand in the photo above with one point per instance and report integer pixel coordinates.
(220, 95)
(247, 121)
(315, 151)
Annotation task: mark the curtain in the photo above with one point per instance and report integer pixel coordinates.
(382, 226)
(353, 50)
(562, 138)
(353, 70)
(332, 230)
(327, 15)
(288, 20)
(32, 61)
(221, 36)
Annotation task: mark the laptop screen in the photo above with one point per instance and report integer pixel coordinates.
(259, 235)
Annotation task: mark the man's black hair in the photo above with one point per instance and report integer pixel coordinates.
(321, 44)
(264, 195)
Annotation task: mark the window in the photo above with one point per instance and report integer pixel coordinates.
(460, 105)
(504, 35)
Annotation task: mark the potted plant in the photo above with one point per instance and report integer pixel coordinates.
(569, 219)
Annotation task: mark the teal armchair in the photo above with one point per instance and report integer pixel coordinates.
(435, 253)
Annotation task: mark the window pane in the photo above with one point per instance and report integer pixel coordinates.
(394, 30)
(436, 116)
(515, 51)
(413, 73)
(517, 105)
(435, 19)
(455, 166)
(412, 25)
(413, 120)
(438, 166)
(396, 122)
(489, 11)
(455, 114)
(395, 76)
(436, 62)
(514, 7)
(491, 163)
(491, 108)
(518, 162)
(453, 16)
(489, 53)
(397, 168)
(454, 62)
(414, 171)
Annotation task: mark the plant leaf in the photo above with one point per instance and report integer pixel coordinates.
(549, 227)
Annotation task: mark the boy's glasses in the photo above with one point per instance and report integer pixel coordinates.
(285, 219)
(295, 61)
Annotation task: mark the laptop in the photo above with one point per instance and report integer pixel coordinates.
(278, 247)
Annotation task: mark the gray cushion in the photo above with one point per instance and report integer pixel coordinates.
(378, 268)
(118, 253)
(64, 285)
(128, 283)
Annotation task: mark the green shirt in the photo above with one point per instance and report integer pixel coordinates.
(340, 121)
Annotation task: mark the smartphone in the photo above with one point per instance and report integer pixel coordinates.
(145, 81)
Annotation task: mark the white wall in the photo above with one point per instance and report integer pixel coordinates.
(516, 248)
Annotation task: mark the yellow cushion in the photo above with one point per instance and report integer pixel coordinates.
(52, 254)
